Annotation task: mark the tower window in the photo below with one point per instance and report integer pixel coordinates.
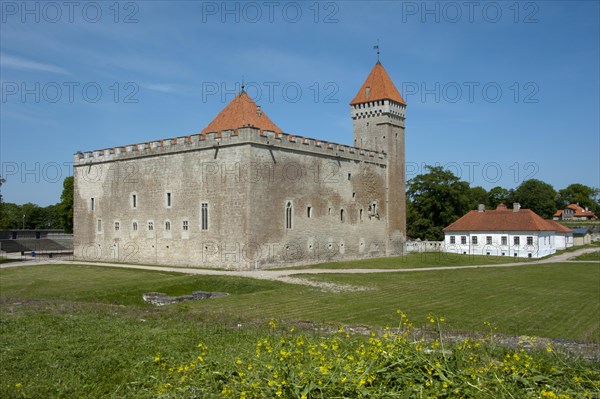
(349, 176)
(360, 213)
(134, 200)
(134, 226)
(204, 216)
(92, 203)
(367, 91)
(309, 212)
(185, 225)
(288, 216)
(117, 226)
(341, 215)
(150, 225)
(167, 226)
(168, 200)
(99, 225)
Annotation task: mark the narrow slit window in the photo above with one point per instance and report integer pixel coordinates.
(309, 212)
(134, 200)
(204, 216)
(169, 200)
(342, 215)
(288, 216)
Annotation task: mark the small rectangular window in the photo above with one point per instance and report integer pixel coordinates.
(167, 226)
(134, 200)
(488, 240)
(99, 225)
(474, 240)
(504, 240)
(204, 216)
(463, 239)
(529, 240)
(309, 212)
(134, 226)
(516, 241)
(117, 226)
(92, 204)
(169, 200)
(185, 225)
(150, 225)
(349, 176)
(452, 240)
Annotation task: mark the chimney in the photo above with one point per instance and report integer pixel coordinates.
(480, 208)
(516, 207)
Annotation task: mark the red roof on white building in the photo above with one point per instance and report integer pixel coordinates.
(503, 219)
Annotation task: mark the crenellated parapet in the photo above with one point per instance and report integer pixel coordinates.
(243, 135)
(391, 109)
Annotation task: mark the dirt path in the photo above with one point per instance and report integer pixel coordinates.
(289, 275)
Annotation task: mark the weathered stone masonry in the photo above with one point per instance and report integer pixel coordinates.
(246, 197)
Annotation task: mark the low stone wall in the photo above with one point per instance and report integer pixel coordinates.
(424, 246)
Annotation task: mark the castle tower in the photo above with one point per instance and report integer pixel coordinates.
(378, 114)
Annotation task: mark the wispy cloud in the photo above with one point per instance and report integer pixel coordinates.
(9, 61)
(162, 87)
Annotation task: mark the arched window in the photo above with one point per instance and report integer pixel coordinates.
(167, 225)
(288, 215)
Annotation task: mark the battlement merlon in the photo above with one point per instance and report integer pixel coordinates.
(240, 136)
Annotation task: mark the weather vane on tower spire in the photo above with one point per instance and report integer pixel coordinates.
(376, 47)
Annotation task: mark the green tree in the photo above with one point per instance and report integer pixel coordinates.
(436, 199)
(499, 195)
(578, 193)
(538, 196)
(11, 216)
(479, 196)
(66, 205)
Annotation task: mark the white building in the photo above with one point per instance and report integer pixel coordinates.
(505, 232)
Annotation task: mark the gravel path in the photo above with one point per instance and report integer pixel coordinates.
(289, 275)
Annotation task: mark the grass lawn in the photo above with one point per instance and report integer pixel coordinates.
(417, 260)
(84, 331)
(592, 256)
(553, 300)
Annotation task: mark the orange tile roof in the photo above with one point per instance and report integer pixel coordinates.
(503, 219)
(242, 111)
(378, 86)
(578, 211)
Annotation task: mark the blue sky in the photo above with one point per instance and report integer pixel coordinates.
(497, 91)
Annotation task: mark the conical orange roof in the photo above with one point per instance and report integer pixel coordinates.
(242, 111)
(378, 86)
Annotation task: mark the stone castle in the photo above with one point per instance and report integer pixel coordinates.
(243, 195)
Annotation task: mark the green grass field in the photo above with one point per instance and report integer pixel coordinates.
(417, 260)
(84, 331)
